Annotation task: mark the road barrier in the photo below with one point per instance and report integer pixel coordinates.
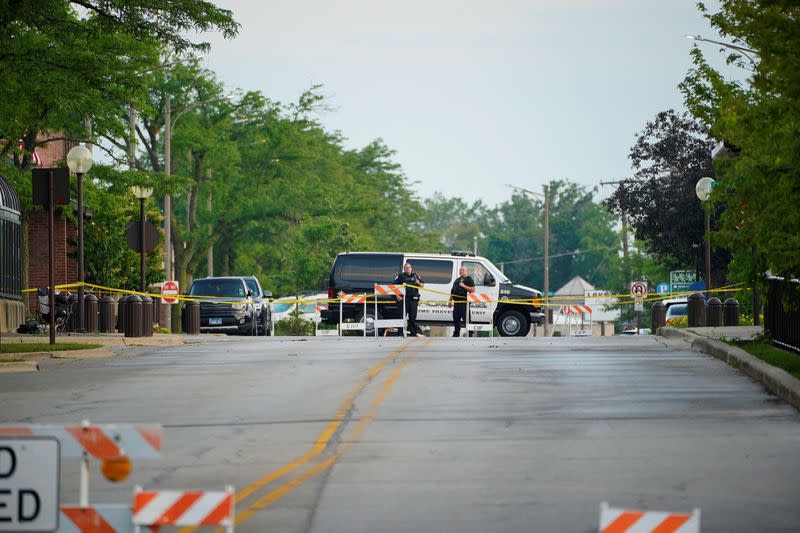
(570, 314)
(713, 312)
(102, 518)
(614, 520)
(479, 298)
(389, 290)
(352, 326)
(183, 508)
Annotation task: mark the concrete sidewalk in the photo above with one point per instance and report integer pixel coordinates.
(707, 340)
(111, 344)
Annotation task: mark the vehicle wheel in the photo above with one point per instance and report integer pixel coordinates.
(512, 324)
(370, 323)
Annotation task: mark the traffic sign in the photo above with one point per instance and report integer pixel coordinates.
(662, 288)
(170, 288)
(638, 305)
(29, 478)
(680, 280)
(151, 236)
(638, 288)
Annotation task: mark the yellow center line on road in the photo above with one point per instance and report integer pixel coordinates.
(320, 444)
(277, 493)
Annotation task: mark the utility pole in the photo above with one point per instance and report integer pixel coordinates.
(624, 218)
(546, 288)
(166, 309)
(546, 259)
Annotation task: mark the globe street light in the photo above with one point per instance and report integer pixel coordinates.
(703, 190)
(142, 193)
(79, 161)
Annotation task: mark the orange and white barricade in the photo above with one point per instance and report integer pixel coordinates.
(395, 291)
(183, 508)
(614, 520)
(352, 299)
(103, 518)
(574, 318)
(478, 298)
(99, 441)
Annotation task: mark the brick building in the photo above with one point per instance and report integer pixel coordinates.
(65, 234)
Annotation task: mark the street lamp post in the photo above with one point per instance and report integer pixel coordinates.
(703, 190)
(744, 51)
(79, 161)
(142, 193)
(169, 124)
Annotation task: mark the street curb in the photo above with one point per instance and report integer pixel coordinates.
(775, 380)
(19, 366)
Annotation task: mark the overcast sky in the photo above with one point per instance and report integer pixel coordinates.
(473, 95)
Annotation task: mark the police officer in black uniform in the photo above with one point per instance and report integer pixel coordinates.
(412, 281)
(458, 299)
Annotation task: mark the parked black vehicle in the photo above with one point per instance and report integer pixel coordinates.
(263, 306)
(226, 305)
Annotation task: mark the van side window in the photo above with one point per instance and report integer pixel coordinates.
(433, 270)
(476, 270)
(369, 269)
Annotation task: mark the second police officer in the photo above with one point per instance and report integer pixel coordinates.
(412, 281)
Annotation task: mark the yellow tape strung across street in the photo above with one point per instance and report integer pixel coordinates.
(628, 299)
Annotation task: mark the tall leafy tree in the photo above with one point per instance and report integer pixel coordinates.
(670, 155)
(759, 178)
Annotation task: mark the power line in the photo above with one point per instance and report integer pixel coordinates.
(565, 254)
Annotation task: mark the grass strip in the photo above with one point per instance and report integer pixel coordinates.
(764, 350)
(27, 347)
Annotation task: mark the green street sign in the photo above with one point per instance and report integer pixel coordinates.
(680, 280)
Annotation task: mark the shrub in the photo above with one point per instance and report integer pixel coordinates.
(679, 322)
(295, 325)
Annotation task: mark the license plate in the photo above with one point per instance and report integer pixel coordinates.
(214, 321)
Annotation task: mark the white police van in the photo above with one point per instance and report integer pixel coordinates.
(358, 272)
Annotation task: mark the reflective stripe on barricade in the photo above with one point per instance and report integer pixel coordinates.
(479, 297)
(626, 521)
(389, 290)
(101, 441)
(352, 299)
(576, 309)
(183, 508)
(102, 518)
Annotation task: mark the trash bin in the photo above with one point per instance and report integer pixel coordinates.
(90, 312)
(697, 310)
(105, 322)
(132, 319)
(147, 316)
(191, 318)
(72, 300)
(659, 315)
(714, 313)
(121, 313)
(730, 312)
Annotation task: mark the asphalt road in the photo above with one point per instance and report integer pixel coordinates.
(462, 435)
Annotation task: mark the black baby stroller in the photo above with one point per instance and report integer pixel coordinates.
(63, 309)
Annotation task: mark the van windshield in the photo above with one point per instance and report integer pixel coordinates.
(218, 287)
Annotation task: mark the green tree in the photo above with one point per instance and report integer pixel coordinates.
(670, 155)
(759, 178)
